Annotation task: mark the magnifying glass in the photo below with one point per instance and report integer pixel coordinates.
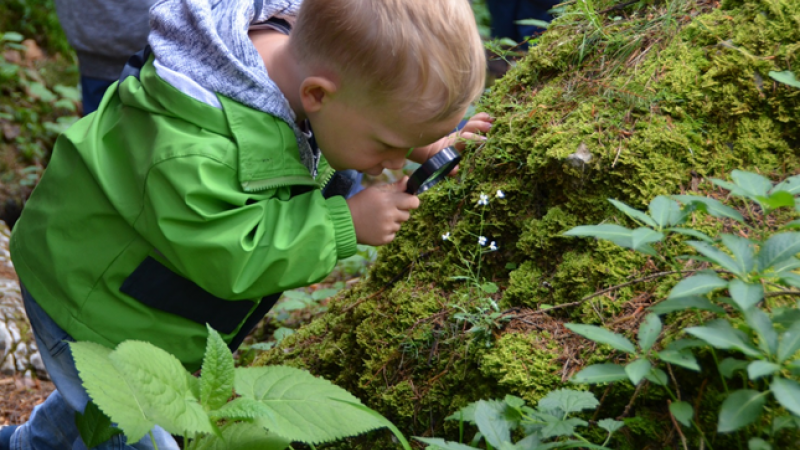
(433, 170)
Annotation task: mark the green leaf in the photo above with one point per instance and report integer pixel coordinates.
(740, 409)
(762, 325)
(758, 444)
(777, 200)
(610, 425)
(39, 91)
(657, 376)
(12, 36)
(711, 206)
(697, 285)
(685, 344)
(787, 265)
(790, 278)
(790, 185)
(489, 288)
(782, 422)
(614, 233)
(790, 342)
(216, 381)
(600, 373)
(682, 411)
(729, 366)
(568, 401)
(786, 77)
(637, 370)
(717, 256)
(795, 224)
(514, 401)
(602, 336)
(778, 248)
(787, 393)
(94, 426)
(753, 183)
(692, 233)
(643, 236)
(649, 330)
(664, 211)
(139, 385)
(683, 358)
(304, 408)
(242, 436)
(745, 295)
(445, 445)
(759, 369)
(733, 187)
(562, 427)
(493, 426)
(742, 249)
(720, 334)
(682, 303)
(634, 214)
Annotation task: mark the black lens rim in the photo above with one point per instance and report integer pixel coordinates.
(423, 178)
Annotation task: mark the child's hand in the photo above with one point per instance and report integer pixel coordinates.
(378, 212)
(480, 122)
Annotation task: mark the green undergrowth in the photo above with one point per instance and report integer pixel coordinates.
(624, 104)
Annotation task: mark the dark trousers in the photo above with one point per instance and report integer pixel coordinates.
(506, 12)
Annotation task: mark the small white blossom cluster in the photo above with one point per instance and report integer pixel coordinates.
(483, 200)
(482, 241)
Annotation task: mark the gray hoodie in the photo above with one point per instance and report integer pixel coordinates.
(205, 43)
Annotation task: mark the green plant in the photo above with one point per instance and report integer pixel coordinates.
(273, 406)
(547, 426)
(760, 332)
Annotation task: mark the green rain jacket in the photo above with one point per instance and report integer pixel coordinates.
(159, 214)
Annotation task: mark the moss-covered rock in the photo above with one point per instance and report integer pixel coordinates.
(625, 104)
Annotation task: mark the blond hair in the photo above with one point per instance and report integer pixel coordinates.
(426, 54)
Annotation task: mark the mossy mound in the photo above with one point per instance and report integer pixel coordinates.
(625, 103)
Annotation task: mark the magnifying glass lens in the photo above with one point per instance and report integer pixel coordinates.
(433, 171)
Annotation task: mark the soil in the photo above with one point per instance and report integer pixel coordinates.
(18, 396)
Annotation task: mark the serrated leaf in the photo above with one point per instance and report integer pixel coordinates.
(643, 236)
(619, 235)
(682, 303)
(683, 359)
(305, 408)
(717, 256)
(729, 366)
(216, 381)
(790, 342)
(711, 206)
(634, 214)
(787, 393)
(514, 401)
(562, 427)
(745, 295)
(753, 183)
(720, 334)
(664, 211)
(445, 445)
(242, 408)
(692, 233)
(759, 369)
(242, 436)
(600, 373)
(758, 444)
(682, 411)
(637, 370)
(649, 330)
(94, 426)
(610, 425)
(568, 401)
(790, 185)
(657, 376)
(778, 248)
(742, 250)
(758, 321)
(697, 285)
(786, 77)
(494, 428)
(740, 409)
(602, 336)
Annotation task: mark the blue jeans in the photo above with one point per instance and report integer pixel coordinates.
(52, 424)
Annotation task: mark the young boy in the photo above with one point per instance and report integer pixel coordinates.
(193, 195)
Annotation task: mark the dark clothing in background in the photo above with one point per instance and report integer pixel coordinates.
(506, 12)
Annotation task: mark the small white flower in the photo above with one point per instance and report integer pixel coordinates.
(446, 236)
(484, 200)
(492, 246)
(481, 240)
(500, 194)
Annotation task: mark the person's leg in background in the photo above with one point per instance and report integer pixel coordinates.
(93, 90)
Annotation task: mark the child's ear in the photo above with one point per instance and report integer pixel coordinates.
(315, 92)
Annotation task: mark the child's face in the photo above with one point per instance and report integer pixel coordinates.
(354, 134)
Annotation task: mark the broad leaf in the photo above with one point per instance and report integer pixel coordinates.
(752, 183)
(685, 344)
(759, 369)
(682, 411)
(762, 325)
(216, 381)
(494, 428)
(600, 373)
(717, 256)
(637, 370)
(735, 189)
(777, 200)
(304, 408)
(649, 330)
(729, 366)
(720, 334)
(778, 248)
(758, 444)
(740, 409)
(634, 213)
(242, 436)
(514, 401)
(745, 295)
(790, 342)
(602, 336)
(786, 77)
(665, 211)
(643, 236)
(657, 376)
(94, 426)
(742, 249)
(610, 425)
(790, 185)
(445, 445)
(795, 224)
(568, 401)
(682, 303)
(697, 285)
(787, 265)
(562, 427)
(614, 233)
(711, 206)
(692, 233)
(683, 359)
(787, 393)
